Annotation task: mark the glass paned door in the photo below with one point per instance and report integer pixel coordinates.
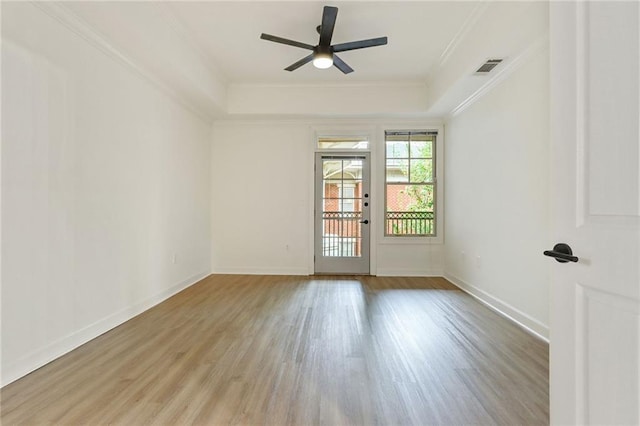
(342, 214)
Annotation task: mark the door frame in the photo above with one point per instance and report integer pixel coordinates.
(369, 130)
(317, 185)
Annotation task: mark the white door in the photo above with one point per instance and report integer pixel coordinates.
(595, 305)
(342, 206)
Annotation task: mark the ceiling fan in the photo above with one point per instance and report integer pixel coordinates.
(323, 55)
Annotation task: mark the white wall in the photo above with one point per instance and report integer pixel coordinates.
(262, 220)
(260, 223)
(104, 179)
(345, 100)
(497, 195)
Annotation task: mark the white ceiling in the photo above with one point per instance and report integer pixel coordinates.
(203, 48)
(418, 34)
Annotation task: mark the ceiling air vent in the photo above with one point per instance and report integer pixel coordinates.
(488, 66)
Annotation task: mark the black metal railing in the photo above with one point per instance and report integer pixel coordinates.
(344, 224)
(409, 223)
(341, 234)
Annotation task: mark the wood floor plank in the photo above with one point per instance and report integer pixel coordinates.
(282, 350)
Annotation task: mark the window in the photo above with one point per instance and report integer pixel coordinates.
(343, 142)
(410, 183)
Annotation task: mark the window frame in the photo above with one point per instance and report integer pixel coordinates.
(438, 164)
(430, 183)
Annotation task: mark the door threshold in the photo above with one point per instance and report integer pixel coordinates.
(349, 274)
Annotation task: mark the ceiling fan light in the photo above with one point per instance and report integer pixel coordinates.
(323, 60)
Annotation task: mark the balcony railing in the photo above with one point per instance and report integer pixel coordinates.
(409, 223)
(344, 224)
(341, 235)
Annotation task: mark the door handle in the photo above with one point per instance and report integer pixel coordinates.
(364, 221)
(562, 253)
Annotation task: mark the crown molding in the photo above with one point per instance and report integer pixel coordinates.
(84, 30)
(466, 27)
(331, 122)
(366, 84)
(181, 30)
(502, 74)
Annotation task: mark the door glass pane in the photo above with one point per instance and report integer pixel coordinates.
(332, 169)
(342, 207)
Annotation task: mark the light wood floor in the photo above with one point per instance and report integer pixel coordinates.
(300, 351)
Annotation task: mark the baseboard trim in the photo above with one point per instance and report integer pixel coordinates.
(521, 319)
(382, 272)
(261, 271)
(66, 344)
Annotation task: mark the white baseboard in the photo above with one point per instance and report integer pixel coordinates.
(384, 272)
(525, 321)
(305, 272)
(56, 349)
(261, 271)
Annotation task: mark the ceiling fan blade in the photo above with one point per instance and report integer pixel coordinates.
(329, 15)
(286, 41)
(342, 47)
(341, 65)
(300, 63)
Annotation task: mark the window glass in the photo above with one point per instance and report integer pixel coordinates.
(410, 183)
(342, 142)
